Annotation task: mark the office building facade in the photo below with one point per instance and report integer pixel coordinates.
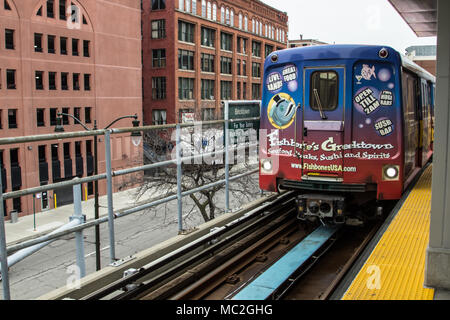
(79, 57)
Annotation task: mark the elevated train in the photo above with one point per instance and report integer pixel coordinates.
(347, 125)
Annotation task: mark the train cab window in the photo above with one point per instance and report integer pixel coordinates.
(324, 86)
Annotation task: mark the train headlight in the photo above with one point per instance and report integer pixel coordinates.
(391, 173)
(266, 165)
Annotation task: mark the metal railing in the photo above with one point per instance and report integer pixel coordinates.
(4, 250)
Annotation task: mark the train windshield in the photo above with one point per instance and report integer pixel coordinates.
(324, 91)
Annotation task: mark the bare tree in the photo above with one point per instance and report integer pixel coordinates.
(208, 167)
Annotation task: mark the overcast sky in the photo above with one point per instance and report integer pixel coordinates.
(349, 21)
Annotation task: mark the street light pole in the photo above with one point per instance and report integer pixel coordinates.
(96, 205)
(59, 128)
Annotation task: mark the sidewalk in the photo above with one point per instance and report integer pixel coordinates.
(50, 220)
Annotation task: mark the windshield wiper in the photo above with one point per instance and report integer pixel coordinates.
(319, 104)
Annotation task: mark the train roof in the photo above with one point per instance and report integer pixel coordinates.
(410, 65)
(347, 51)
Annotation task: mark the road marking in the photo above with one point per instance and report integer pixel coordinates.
(92, 253)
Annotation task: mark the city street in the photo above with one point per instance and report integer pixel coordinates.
(49, 268)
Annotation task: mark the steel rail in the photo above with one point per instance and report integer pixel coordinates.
(158, 263)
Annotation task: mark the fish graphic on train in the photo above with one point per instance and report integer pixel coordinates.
(346, 126)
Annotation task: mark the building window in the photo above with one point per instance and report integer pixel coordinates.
(159, 117)
(238, 90)
(256, 91)
(268, 50)
(194, 6)
(159, 58)
(244, 46)
(209, 11)
(207, 62)
(51, 44)
(40, 117)
(222, 14)
(75, 47)
(185, 59)
(12, 118)
(226, 41)
(256, 49)
(63, 45)
(186, 32)
(6, 5)
(207, 89)
(326, 84)
(181, 5)
(9, 39)
(158, 4)
(11, 79)
(158, 88)
(52, 80)
(65, 116)
(87, 115)
(86, 48)
(238, 67)
(77, 113)
(225, 90)
(62, 9)
(39, 75)
(38, 42)
(76, 81)
(226, 65)
(204, 8)
(158, 29)
(256, 70)
(185, 88)
(50, 9)
(244, 90)
(53, 116)
(87, 82)
(208, 37)
(208, 114)
(64, 84)
(244, 68)
(214, 14)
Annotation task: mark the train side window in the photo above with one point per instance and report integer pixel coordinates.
(326, 83)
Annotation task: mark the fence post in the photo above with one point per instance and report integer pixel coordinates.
(3, 254)
(77, 214)
(227, 158)
(179, 176)
(112, 246)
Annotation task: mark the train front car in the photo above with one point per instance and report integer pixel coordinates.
(332, 128)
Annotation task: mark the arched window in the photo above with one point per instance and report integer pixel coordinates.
(227, 16)
(188, 5)
(245, 23)
(232, 18)
(240, 20)
(253, 25)
(267, 31)
(214, 17)
(194, 6)
(181, 4)
(222, 15)
(209, 13)
(204, 8)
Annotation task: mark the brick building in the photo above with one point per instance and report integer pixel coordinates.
(197, 53)
(61, 56)
(424, 56)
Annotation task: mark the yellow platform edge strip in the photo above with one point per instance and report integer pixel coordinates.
(395, 269)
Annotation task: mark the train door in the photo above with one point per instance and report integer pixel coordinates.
(411, 123)
(323, 123)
